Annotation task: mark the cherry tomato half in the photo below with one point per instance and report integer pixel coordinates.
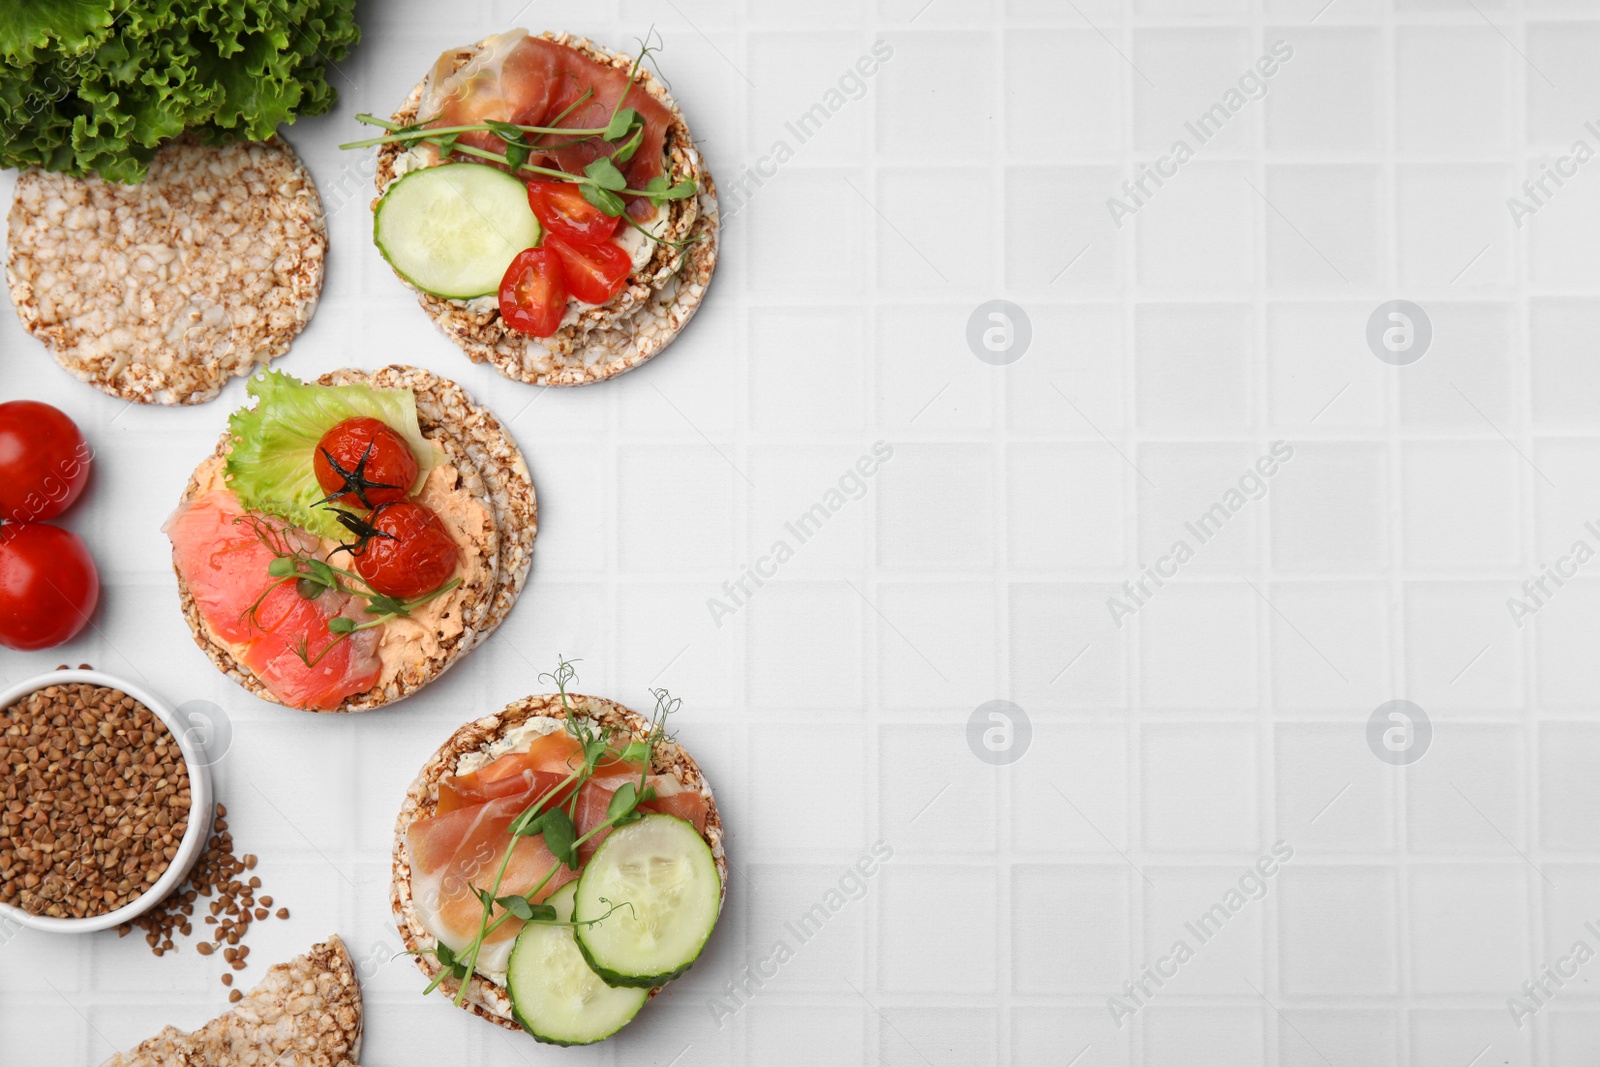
(533, 293)
(44, 461)
(48, 585)
(595, 273)
(411, 554)
(366, 462)
(563, 211)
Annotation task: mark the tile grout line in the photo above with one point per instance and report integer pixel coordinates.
(1000, 673)
(1263, 731)
(1130, 652)
(1528, 538)
(1395, 550)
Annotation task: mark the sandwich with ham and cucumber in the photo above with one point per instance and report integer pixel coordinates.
(547, 202)
(351, 538)
(557, 862)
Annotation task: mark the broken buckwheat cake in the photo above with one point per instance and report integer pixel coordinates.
(305, 1013)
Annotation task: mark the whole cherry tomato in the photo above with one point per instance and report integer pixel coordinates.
(48, 585)
(595, 273)
(533, 293)
(405, 550)
(364, 461)
(565, 213)
(44, 461)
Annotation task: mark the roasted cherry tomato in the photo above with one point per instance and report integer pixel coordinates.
(406, 552)
(563, 211)
(595, 273)
(44, 461)
(48, 585)
(364, 461)
(533, 294)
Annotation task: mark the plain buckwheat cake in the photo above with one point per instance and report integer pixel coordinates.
(163, 291)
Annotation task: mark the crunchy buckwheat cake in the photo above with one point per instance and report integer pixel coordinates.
(304, 1013)
(161, 292)
(486, 998)
(659, 299)
(489, 468)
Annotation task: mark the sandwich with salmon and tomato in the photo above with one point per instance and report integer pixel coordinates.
(547, 202)
(351, 538)
(557, 863)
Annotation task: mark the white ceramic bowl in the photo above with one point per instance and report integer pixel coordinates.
(201, 804)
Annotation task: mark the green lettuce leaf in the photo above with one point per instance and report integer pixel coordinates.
(97, 86)
(274, 442)
(29, 25)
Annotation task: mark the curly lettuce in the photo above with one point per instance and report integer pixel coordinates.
(97, 86)
(270, 467)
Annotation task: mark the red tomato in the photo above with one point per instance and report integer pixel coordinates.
(595, 273)
(565, 213)
(364, 461)
(411, 554)
(48, 585)
(533, 294)
(44, 461)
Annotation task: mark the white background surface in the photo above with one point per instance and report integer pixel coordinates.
(1167, 754)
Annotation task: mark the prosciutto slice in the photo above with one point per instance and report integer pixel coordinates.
(452, 853)
(531, 81)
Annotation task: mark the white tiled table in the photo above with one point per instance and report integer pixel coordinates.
(1167, 754)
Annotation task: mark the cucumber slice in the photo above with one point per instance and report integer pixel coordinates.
(554, 994)
(452, 230)
(660, 875)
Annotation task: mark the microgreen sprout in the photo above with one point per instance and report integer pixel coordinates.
(601, 183)
(312, 578)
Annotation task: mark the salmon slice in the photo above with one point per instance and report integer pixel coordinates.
(531, 81)
(223, 554)
(224, 560)
(338, 668)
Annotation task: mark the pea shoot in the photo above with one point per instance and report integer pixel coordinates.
(602, 182)
(312, 577)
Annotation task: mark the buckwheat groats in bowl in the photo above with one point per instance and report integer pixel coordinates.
(100, 814)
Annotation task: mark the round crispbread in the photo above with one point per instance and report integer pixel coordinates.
(161, 292)
(649, 313)
(490, 469)
(305, 1011)
(487, 999)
